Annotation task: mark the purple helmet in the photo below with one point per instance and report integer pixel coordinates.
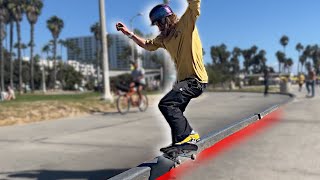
(158, 12)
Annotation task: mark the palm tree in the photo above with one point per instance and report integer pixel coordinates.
(55, 25)
(234, 61)
(22, 46)
(33, 10)
(315, 56)
(317, 60)
(308, 52)
(299, 48)
(281, 59)
(46, 49)
(220, 54)
(71, 46)
(284, 42)
(289, 63)
(17, 9)
(11, 23)
(302, 60)
(63, 43)
(95, 29)
(3, 18)
(248, 56)
(260, 61)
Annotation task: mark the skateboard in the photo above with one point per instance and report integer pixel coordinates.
(173, 152)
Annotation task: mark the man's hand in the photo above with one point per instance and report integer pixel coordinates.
(123, 28)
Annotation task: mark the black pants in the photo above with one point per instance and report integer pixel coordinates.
(173, 104)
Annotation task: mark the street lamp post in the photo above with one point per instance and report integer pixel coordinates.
(106, 90)
(131, 25)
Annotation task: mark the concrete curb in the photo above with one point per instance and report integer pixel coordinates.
(214, 137)
(136, 173)
(145, 171)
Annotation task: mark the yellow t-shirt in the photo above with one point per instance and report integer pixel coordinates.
(301, 78)
(184, 45)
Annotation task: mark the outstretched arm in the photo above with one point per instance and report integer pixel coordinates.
(140, 41)
(150, 45)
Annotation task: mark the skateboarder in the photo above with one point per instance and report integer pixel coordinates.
(181, 39)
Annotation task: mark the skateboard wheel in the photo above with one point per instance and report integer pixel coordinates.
(178, 161)
(193, 157)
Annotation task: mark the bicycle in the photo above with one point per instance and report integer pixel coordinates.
(128, 97)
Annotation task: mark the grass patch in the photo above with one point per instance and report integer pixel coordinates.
(57, 97)
(38, 107)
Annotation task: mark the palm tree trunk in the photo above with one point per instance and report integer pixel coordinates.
(54, 62)
(298, 67)
(1, 56)
(43, 79)
(11, 56)
(31, 58)
(98, 61)
(19, 57)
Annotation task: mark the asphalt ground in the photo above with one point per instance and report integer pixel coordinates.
(288, 149)
(103, 145)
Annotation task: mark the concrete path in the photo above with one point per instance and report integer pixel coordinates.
(289, 150)
(103, 145)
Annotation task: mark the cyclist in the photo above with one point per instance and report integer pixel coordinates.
(138, 78)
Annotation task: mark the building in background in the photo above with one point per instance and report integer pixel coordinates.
(88, 46)
(118, 43)
(85, 69)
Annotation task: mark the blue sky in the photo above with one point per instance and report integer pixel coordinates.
(241, 23)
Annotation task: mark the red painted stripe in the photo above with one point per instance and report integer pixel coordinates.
(210, 153)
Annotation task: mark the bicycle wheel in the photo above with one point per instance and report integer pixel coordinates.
(123, 104)
(143, 104)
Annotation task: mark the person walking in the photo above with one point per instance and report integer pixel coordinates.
(266, 75)
(181, 39)
(311, 80)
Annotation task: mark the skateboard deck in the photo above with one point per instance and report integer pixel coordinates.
(174, 152)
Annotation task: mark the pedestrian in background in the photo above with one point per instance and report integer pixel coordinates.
(301, 80)
(266, 74)
(311, 80)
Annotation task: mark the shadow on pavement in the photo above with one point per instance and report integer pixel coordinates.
(63, 174)
(113, 112)
(159, 166)
(130, 112)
